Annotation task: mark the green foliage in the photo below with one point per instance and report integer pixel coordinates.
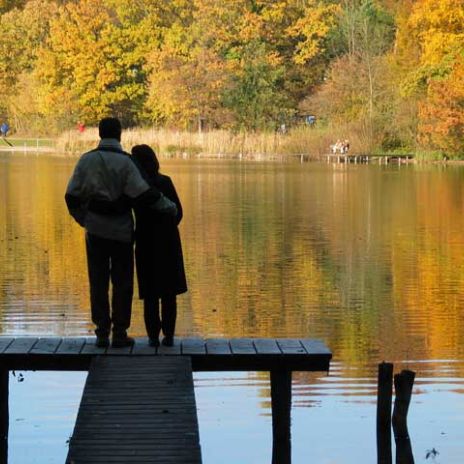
(253, 95)
(430, 155)
(7, 5)
(190, 150)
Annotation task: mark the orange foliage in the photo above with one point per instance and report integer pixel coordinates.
(442, 113)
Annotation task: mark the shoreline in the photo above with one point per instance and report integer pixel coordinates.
(28, 149)
(302, 158)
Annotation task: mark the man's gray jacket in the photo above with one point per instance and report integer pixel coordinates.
(107, 174)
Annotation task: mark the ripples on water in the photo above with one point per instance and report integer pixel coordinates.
(368, 258)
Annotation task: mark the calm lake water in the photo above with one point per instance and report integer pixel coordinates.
(368, 258)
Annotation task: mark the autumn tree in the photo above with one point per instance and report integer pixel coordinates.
(186, 73)
(245, 63)
(23, 31)
(91, 64)
(255, 92)
(355, 87)
(438, 30)
(441, 126)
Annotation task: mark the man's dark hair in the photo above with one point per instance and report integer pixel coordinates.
(110, 128)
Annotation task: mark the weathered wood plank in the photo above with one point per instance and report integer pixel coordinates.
(313, 346)
(191, 346)
(46, 345)
(242, 346)
(218, 346)
(5, 342)
(71, 345)
(171, 350)
(90, 347)
(121, 351)
(290, 346)
(142, 348)
(266, 346)
(21, 345)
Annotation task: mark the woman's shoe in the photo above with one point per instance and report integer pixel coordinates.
(102, 341)
(168, 341)
(153, 342)
(122, 342)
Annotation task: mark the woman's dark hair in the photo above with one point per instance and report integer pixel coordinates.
(146, 160)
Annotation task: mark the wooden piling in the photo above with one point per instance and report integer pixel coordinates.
(404, 382)
(281, 396)
(404, 451)
(384, 407)
(4, 414)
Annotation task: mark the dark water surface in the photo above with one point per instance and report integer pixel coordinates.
(368, 258)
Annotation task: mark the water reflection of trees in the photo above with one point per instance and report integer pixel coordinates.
(367, 258)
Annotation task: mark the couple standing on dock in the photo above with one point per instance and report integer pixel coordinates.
(106, 186)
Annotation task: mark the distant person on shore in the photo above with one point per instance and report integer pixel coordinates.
(340, 147)
(158, 253)
(346, 146)
(336, 147)
(80, 127)
(4, 129)
(104, 186)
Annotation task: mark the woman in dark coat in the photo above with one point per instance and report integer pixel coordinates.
(158, 253)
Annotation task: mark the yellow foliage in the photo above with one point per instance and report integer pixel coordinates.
(312, 28)
(439, 28)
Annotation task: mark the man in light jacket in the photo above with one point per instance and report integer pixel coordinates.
(104, 186)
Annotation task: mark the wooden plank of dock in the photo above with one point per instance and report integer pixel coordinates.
(234, 354)
(137, 409)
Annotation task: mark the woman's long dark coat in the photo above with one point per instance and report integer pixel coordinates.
(158, 250)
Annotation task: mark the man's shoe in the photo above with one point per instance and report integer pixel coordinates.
(122, 342)
(168, 341)
(102, 341)
(153, 342)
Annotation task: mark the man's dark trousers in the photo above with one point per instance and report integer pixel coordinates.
(110, 259)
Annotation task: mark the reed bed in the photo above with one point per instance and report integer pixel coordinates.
(312, 143)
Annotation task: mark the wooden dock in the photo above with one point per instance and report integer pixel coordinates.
(112, 369)
(363, 159)
(137, 410)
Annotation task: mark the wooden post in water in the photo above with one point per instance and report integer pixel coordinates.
(281, 396)
(404, 451)
(384, 407)
(404, 382)
(4, 414)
